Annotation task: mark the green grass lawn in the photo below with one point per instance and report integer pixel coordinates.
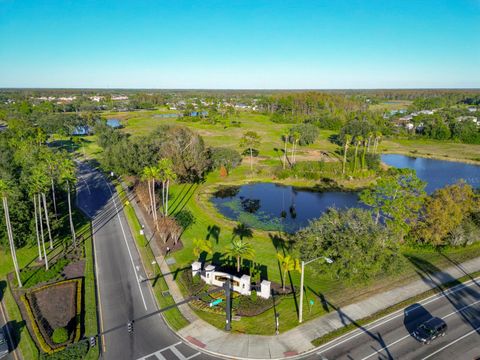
(195, 198)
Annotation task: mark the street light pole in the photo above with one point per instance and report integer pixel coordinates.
(302, 275)
(300, 312)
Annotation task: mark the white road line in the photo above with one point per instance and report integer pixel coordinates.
(453, 342)
(407, 336)
(126, 243)
(173, 349)
(390, 317)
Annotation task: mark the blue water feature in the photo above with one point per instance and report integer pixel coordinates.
(436, 173)
(270, 206)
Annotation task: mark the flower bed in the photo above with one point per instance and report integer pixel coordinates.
(41, 306)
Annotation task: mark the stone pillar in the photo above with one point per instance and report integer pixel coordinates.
(196, 268)
(265, 289)
(209, 274)
(244, 285)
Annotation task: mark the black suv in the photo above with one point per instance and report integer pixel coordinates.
(430, 330)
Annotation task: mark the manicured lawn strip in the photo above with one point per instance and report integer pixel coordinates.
(90, 300)
(174, 317)
(26, 345)
(365, 321)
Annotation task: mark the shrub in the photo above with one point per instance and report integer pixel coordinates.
(308, 133)
(253, 297)
(76, 351)
(33, 276)
(226, 157)
(60, 335)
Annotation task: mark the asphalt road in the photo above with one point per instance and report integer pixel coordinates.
(122, 296)
(6, 330)
(390, 337)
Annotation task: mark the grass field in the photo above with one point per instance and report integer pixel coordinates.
(194, 197)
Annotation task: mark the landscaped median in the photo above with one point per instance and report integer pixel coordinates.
(174, 317)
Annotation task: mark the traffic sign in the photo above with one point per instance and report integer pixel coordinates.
(215, 302)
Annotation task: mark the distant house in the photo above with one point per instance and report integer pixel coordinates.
(198, 113)
(81, 131)
(119, 97)
(3, 127)
(472, 109)
(114, 123)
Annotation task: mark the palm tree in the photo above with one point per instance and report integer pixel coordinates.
(378, 136)
(166, 174)
(295, 140)
(169, 176)
(369, 137)
(346, 143)
(4, 191)
(200, 246)
(239, 249)
(42, 183)
(67, 177)
(150, 173)
(288, 263)
(37, 227)
(364, 154)
(249, 141)
(358, 141)
(285, 140)
(51, 164)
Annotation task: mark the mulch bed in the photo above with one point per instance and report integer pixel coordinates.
(56, 304)
(151, 225)
(74, 269)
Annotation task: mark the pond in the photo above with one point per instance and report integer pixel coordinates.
(285, 208)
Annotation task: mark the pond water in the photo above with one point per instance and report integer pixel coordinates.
(277, 207)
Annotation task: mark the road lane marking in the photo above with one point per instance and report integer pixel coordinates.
(404, 337)
(453, 342)
(350, 336)
(173, 349)
(126, 243)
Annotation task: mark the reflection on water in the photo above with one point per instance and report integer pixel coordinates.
(277, 207)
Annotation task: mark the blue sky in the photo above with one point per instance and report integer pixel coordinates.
(240, 44)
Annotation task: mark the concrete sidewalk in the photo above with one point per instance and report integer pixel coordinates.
(297, 340)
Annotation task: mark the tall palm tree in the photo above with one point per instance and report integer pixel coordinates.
(165, 167)
(169, 176)
(346, 143)
(4, 192)
(288, 263)
(239, 250)
(358, 141)
(285, 140)
(52, 164)
(295, 140)
(378, 136)
(42, 183)
(149, 174)
(37, 226)
(67, 177)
